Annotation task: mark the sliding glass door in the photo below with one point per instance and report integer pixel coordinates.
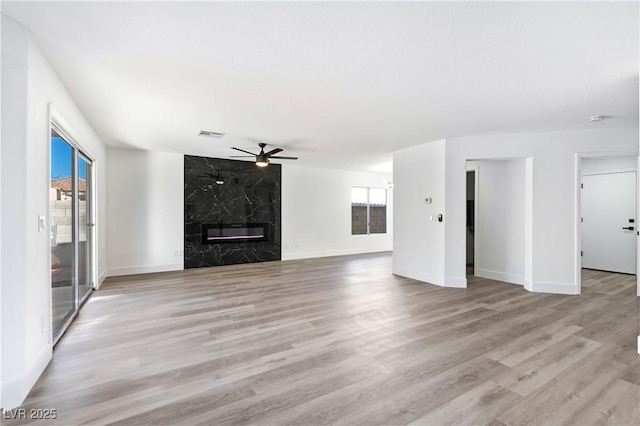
(63, 264)
(71, 230)
(85, 227)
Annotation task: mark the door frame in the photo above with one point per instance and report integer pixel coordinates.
(578, 211)
(62, 127)
(473, 167)
(528, 213)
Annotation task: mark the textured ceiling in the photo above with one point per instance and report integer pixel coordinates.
(339, 84)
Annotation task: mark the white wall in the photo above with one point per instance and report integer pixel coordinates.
(553, 161)
(418, 244)
(145, 192)
(594, 165)
(13, 260)
(29, 86)
(316, 213)
(2, 81)
(500, 225)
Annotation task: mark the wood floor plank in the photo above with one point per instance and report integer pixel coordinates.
(479, 406)
(632, 373)
(341, 340)
(618, 404)
(562, 399)
(524, 347)
(534, 373)
(392, 399)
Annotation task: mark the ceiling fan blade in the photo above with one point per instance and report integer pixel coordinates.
(242, 156)
(273, 151)
(242, 150)
(284, 158)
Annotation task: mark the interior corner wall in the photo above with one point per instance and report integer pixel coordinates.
(553, 199)
(316, 213)
(145, 211)
(419, 238)
(500, 225)
(30, 86)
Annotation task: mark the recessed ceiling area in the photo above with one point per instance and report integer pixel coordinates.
(340, 84)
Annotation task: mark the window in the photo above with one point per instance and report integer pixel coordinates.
(368, 211)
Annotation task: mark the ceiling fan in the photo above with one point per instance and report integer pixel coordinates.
(262, 159)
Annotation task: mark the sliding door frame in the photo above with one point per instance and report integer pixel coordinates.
(77, 150)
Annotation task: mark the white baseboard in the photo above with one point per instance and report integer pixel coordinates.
(101, 278)
(455, 282)
(419, 275)
(144, 269)
(327, 253)
(17, 386)
(500, 276)
(555, 288)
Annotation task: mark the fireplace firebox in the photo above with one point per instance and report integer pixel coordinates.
(234, 233)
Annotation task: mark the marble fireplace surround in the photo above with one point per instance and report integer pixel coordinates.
(250, 195)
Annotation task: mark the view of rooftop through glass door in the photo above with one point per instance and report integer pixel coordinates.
(70, 230)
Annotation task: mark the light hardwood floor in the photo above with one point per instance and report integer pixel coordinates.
(343, 341)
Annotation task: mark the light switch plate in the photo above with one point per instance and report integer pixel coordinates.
(42, 226)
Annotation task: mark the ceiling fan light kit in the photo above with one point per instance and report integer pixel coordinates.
(262, 159)
(218, 178)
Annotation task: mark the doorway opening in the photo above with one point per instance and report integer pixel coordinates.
(498, 225)
(471, 219)
(608, 220)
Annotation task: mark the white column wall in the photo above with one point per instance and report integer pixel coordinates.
(418, 245)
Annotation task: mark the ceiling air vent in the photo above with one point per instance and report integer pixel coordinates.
(210, 134)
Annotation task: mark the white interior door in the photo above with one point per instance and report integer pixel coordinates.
(609, 222)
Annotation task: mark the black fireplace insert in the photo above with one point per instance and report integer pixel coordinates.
(234, 233)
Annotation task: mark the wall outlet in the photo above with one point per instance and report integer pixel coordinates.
(177, 253)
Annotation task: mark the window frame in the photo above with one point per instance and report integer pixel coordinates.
(368, 206)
